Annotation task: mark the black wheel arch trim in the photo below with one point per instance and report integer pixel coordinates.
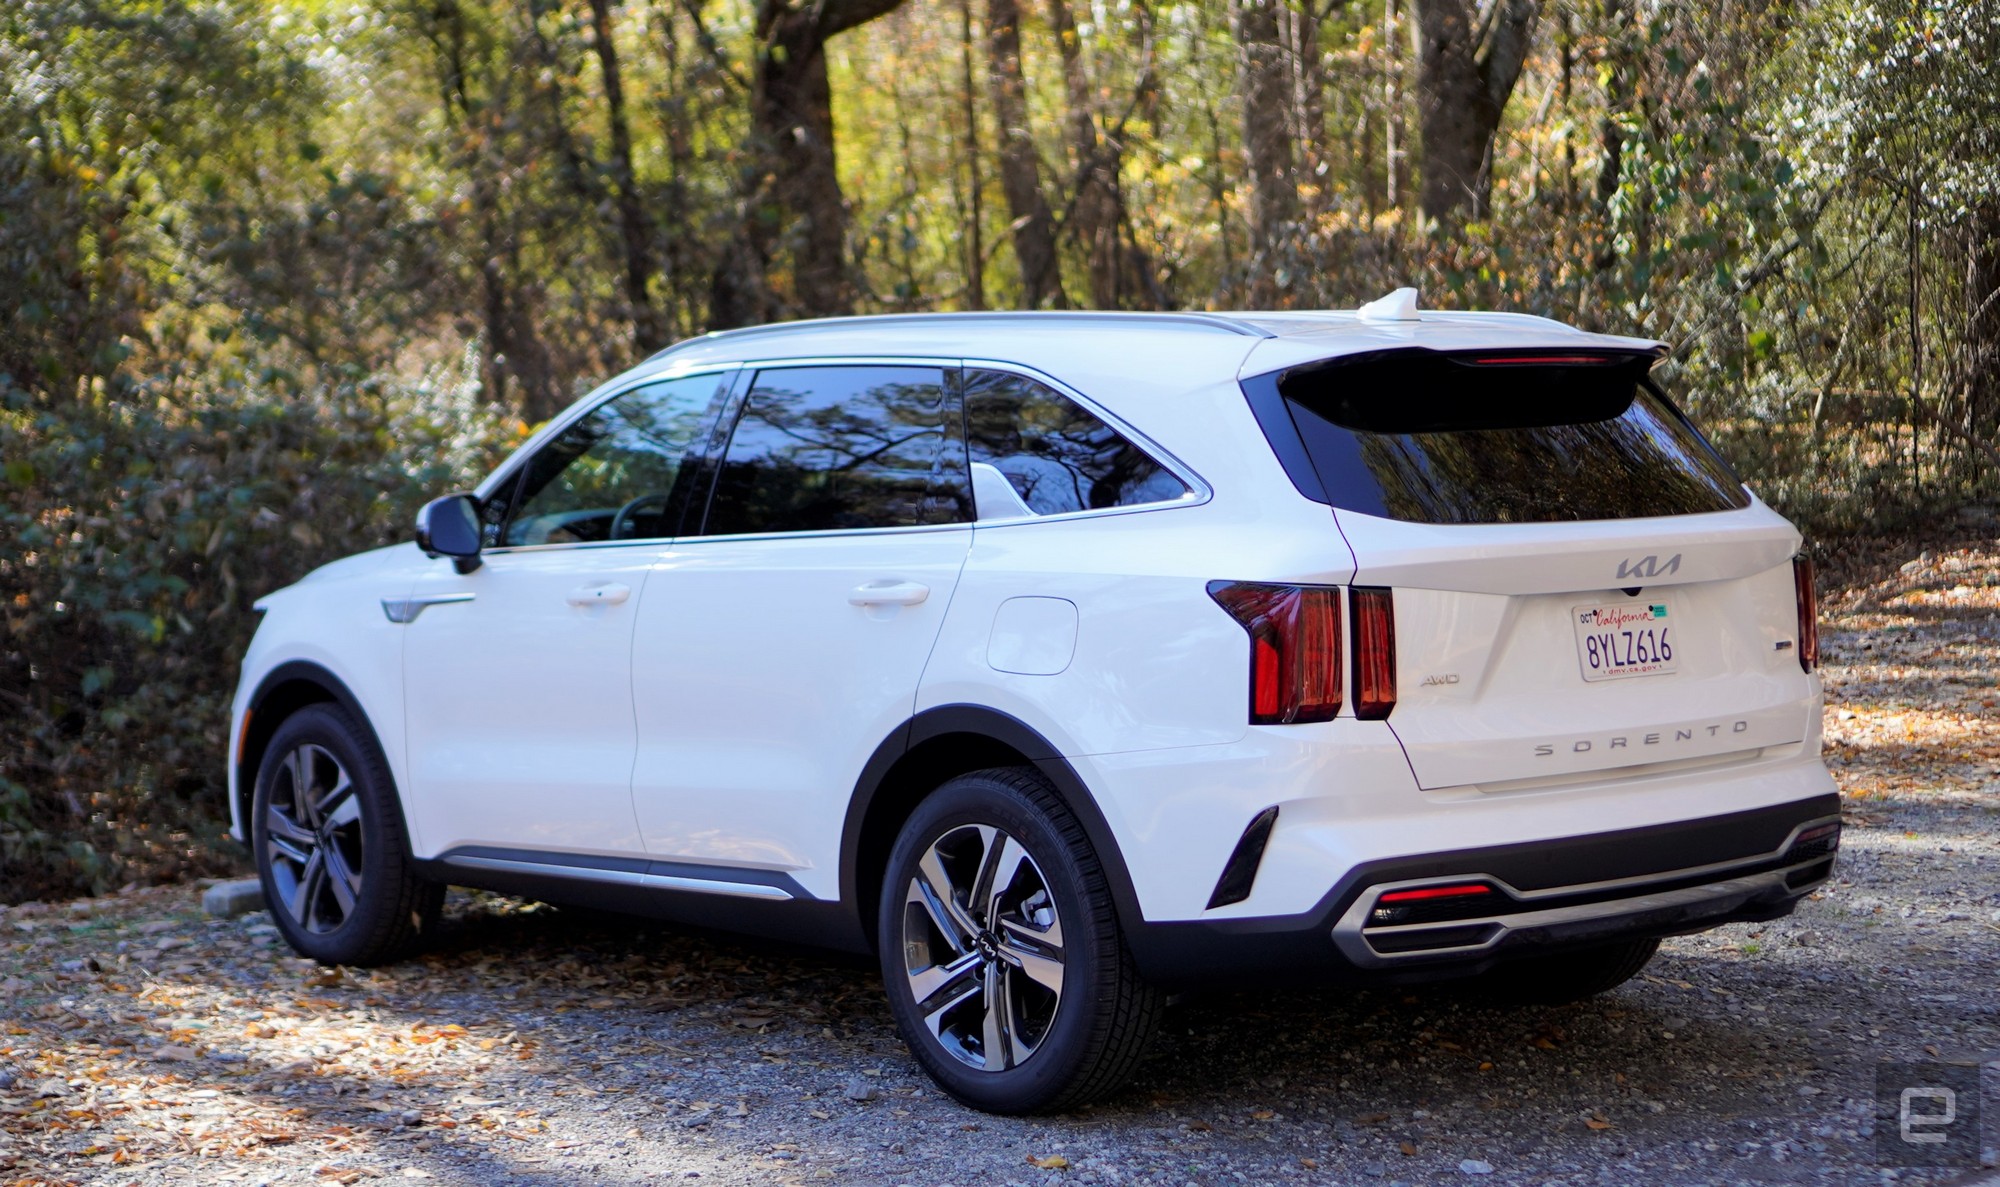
(1016, 735)
(260, 732)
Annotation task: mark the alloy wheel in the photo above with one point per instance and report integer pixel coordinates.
(313, 833)
(983, 947)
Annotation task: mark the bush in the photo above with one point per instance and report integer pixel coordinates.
(140, 531)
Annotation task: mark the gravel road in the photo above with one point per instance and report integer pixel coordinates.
(141, 1043)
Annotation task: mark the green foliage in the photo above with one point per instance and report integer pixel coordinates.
(142, 530)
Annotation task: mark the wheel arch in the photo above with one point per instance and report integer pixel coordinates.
(284, 690)
(933, 747)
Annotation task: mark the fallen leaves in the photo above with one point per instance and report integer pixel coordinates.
(1049, 1162)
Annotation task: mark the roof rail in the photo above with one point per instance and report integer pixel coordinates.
(1211, 321)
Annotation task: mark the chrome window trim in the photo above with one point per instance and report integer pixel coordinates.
(510, 469)
(590, 402)
(1198, 489)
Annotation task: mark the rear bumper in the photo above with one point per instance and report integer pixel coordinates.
(1538, 897)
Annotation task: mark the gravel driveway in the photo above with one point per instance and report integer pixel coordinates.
(141, 1043)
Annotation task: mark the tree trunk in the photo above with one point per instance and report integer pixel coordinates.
(1610, 131)
(1982, 303)
(1092, 220)
(1264, 81)
(1464, 76)
(635, 229)
(974, 213)
(1119, 271)
(791, 190)
(1034, 229)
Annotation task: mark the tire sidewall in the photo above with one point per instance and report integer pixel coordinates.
(973, 799)
(382, 855)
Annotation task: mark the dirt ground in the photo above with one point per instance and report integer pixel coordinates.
(141, 1043)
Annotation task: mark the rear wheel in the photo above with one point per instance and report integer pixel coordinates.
(327, 835)
(1001, 952)
(1566, 976)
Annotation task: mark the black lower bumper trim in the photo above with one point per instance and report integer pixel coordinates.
(1202, 951)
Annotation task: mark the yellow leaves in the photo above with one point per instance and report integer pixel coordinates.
(1049, 1162)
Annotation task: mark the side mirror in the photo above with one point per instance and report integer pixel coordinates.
(450, 527)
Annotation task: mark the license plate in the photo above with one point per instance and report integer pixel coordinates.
(1618, 639)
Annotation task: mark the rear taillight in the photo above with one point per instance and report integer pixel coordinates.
(1374, 653)
(1802, 582)
(1294, 648)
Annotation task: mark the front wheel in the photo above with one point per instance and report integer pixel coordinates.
(1001, 952)
(327, 835)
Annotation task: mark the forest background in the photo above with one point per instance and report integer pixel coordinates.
(272, 272)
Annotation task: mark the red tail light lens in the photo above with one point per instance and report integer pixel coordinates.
(1802, 581)
(1294, 648)
(1374, 653)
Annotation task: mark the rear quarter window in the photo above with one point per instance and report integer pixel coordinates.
(1430, 437)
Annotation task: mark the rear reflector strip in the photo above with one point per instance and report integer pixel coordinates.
(1374, 652)
(1427, 892)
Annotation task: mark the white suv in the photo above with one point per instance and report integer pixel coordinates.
(1066, 658)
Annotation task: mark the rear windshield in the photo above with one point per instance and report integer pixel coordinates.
(1430, 437)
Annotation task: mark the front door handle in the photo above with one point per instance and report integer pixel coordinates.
(889, 593)
(611, 594)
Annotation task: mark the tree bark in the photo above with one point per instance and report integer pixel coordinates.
(974, 213)
(1119, 271)
(1465, 75)
(1982, 304)
(1264, 81)
(1093, 218)
(793, 199)
(635, 229)
(1033, 226)
(1610, 131)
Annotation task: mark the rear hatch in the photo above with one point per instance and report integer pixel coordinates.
(1581, 583)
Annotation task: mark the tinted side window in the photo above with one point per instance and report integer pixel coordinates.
(1056, 455)
(622, 472)
(829, 448)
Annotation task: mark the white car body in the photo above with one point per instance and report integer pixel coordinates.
(711, 726)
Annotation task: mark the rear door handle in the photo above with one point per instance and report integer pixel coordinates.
(889, 593)
(612, 594)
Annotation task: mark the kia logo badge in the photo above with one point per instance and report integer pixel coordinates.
(1649, 566)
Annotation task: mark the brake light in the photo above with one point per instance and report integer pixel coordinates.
(1374, 653)
(1802, 582)
(1547, 360)
(1294, 648)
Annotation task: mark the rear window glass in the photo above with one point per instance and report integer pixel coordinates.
(1429, 437)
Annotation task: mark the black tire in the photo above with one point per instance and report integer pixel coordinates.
(1054, 1050)
(1563, 977)
(335, 864)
